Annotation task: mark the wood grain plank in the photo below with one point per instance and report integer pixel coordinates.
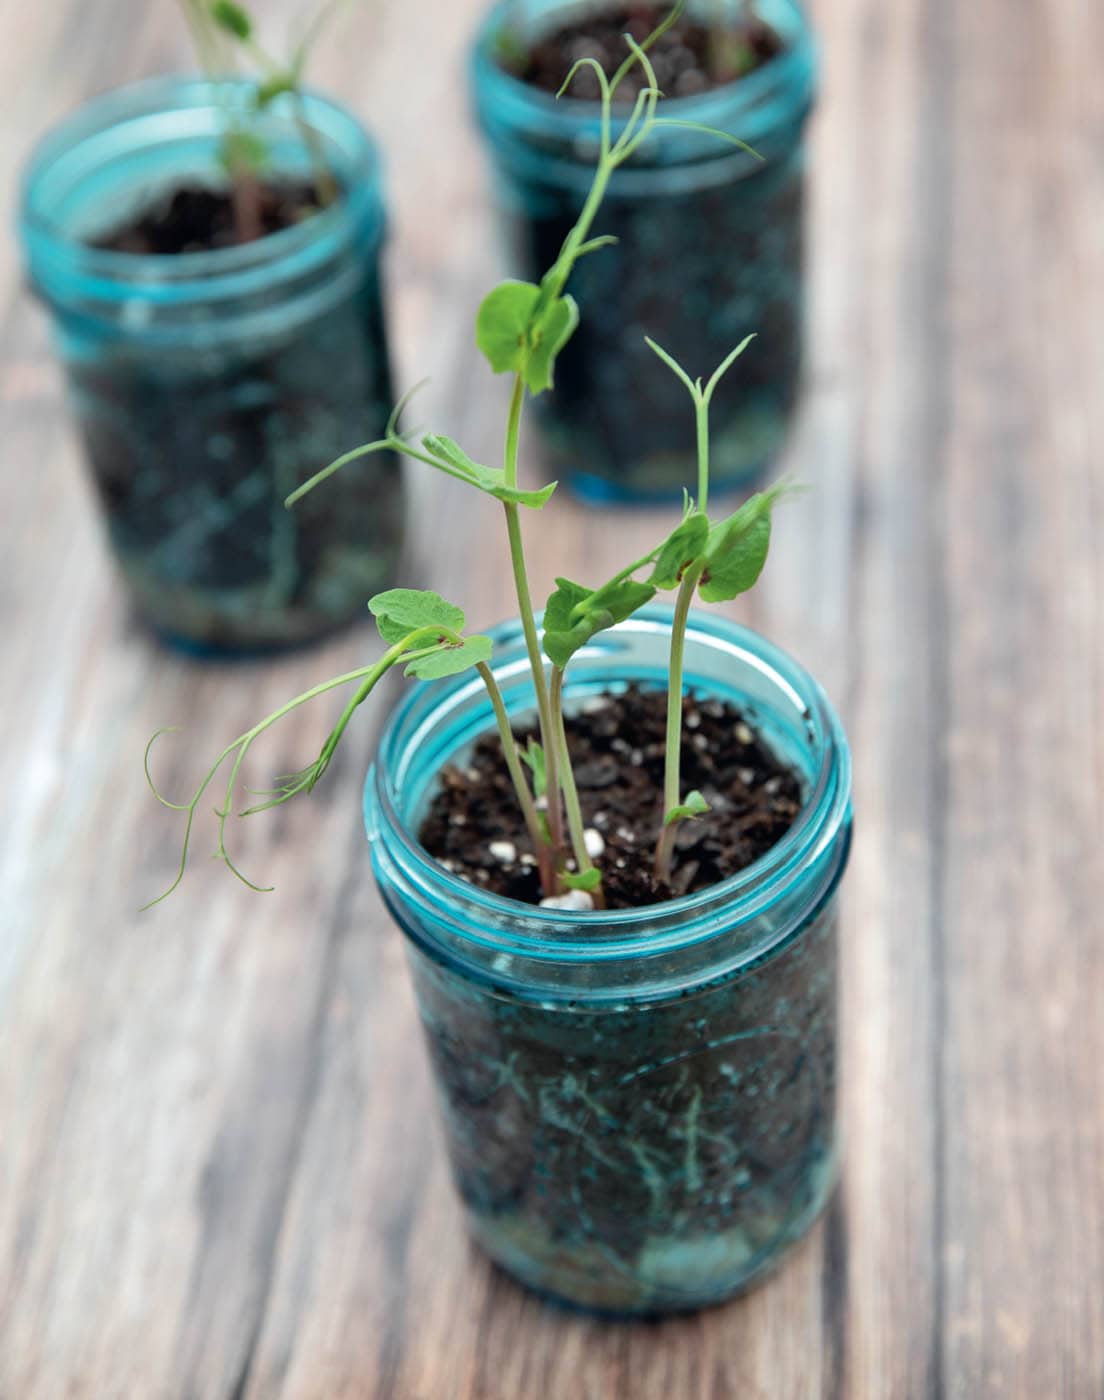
(1025, 1085)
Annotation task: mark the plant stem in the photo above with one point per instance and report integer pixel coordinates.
(518, 778)
(671, 792)
(245, 200)
(557, 760)
(665, 846)
(324, 182)
(528, 618)
(552, 787)
(244, 193)
(202, 36)
(578, 235)
(513, 432)
(701, 414)
(571, 793)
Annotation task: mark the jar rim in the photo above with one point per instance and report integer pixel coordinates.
(239, 271)
(673, 925)
(574, 119)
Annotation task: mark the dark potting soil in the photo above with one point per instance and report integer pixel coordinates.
(200, 218)
(617, 747)
(690, 58)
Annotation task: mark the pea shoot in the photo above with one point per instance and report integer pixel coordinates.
(225, 38)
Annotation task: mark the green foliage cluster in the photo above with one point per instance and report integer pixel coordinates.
(520, 328)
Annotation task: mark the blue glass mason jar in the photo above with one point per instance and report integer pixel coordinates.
(710, 249)
(206, 385)
(639, 1106)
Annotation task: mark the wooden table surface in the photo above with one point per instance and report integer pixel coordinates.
(220, 1173)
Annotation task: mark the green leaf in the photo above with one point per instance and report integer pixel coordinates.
(574, 613)
(502, 324)
(560, 647)
(737, 565)
(400, 611)
(533, 757)
(547, 337)
(231, 17)
(450, 660)
(585, 880)
(242, 150)
(515, 338)
(694, 805)
(272, 88)
(737, 548)
(683, 546)
(620, 599)
(449, 451)
(558, 609)
(564, 633)
(450, 457)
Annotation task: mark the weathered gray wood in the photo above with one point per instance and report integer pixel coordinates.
(1023, 1061)
(219, 1170)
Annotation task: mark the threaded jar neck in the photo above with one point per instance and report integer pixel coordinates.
(556, 140)
(639, 953)
(116, 153)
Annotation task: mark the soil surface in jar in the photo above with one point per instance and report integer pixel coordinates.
(200, 218)
(690, 58)
(474, 826)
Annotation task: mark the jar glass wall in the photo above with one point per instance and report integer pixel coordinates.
(710, 249)
(206, 385)
(639, 1106)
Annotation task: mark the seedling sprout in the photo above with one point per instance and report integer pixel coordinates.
(225, 38)
(521, 327)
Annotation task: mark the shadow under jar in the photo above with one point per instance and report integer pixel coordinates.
(207, 385)
(639, 1106)
(710, 249)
